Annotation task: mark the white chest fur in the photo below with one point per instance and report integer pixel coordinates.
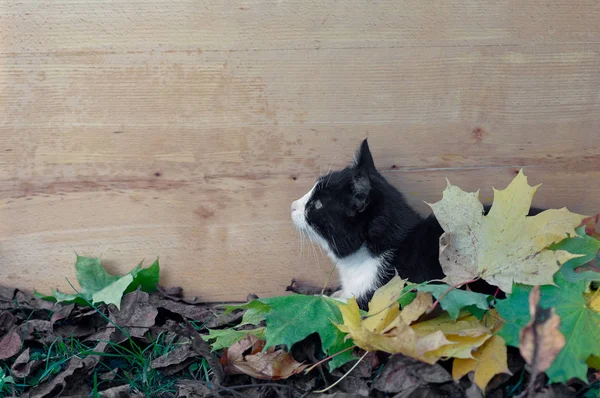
(359, 273)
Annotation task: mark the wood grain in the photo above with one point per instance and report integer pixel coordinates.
(185, 129)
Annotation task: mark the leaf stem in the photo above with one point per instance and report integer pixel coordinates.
(327, 281)
(328, 358)
(412, 289)
(436, 302)
(345, 374)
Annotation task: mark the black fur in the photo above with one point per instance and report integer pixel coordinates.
(359, 207)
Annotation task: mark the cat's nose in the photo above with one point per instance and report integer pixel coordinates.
(294, 206)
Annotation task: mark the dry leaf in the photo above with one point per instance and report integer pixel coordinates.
(541, 339)
(405, 374)
(269, 365)
(489, 360)
(175, 357)
(465, 334)
(386, 328)
(10, 345)
(416, 308)
(23, 367)
(505, 245)
(592, 226)
(136, 315)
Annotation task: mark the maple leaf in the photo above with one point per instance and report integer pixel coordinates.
(505, 245)
(269, 364)
(586, 267)
(224, 338)
(489, 360)
(465, 334)
(541, 339)
(256, 311)
(592, 226)
(98, 286)
(287, 323)
(295, 317)
(580, 324)
(455, 300)
(386, 328)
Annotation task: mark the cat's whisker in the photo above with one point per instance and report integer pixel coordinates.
(301, 244)
(313, 237)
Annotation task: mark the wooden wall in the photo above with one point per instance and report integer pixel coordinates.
(131, 129)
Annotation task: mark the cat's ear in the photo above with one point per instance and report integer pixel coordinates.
(363, 160)
(361, 188)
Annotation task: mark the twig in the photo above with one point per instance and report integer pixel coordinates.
(497, 291)
(328, 358)
(436, 302)
(242, 386)
(344, 376)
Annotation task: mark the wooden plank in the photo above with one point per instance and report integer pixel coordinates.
(260, 113)
(220, 239)
(73, 26)
(184, 129)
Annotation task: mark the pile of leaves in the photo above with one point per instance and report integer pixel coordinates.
(539, 335)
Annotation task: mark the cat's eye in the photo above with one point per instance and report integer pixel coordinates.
(318, 204)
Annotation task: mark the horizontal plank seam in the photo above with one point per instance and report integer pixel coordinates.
(129, 52)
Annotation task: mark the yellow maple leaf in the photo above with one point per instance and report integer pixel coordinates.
(488, 361)
(505, 245)
(593, 300)
(386, 328)
(465, 334)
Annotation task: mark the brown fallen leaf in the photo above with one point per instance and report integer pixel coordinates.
(541, 339)
(23, 367)
(175, 294)
(202, 348)
(7, 321)
(174, 357)
(6, 296)
(270, 365)
(37, 329)
(116, 392)
(592, 226)
(26, 300)
(191, 389)
(61, 311)
(405, 375)
(195, 312)
(136, 315)
(68, 381)
(302, 287)
(10, 344)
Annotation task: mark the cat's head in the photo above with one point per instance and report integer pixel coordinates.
(337, 210)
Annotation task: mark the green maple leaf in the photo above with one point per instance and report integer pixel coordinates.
(455, 300)
(341, 343)
(99, 286)
(578, 323)
(579, 244)
(145, 278)
(293, 318)
(224, 338)
(256, 311)
(92, 276)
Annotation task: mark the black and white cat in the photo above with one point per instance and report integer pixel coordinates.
(367, 229)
